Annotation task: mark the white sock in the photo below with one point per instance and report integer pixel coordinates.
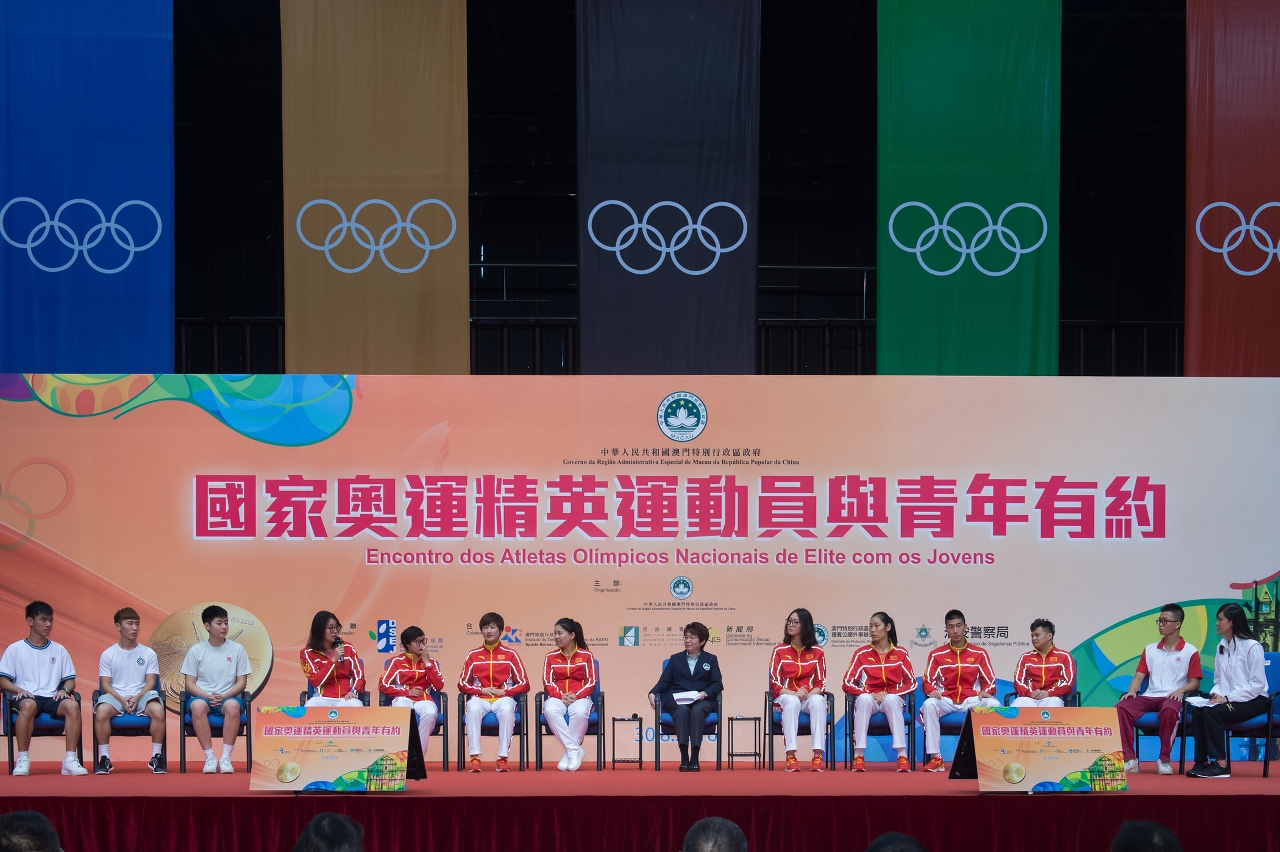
(226, 751)
(156, 748)
(104, 751)
(208, 753)
(71, 755)
(24, 755)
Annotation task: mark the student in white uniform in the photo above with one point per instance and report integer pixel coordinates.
(128, 674)
(217, 672)
(39, 675)
(1239, 691)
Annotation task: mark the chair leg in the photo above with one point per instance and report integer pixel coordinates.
(444, 742)
(248, 746)
(182, 745)
(537, 747)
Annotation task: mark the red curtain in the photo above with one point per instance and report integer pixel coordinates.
(992, 823)
(1233, 172)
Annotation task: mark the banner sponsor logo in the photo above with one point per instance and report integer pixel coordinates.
(955, 239)
(629, 637)
(682, 416)
(386, 636)
(511, 636)
(389, 237)
(655, 239)
(923, 638)
(66, 233)
(1257, 234)
(681, 588)
(821, 632)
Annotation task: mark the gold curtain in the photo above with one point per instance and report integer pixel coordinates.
(375, 109)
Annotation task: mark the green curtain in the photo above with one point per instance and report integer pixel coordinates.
(969, 95)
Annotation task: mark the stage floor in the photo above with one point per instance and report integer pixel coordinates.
(135, 779)
(642, 811)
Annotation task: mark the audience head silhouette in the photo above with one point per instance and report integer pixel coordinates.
(1143, 836)
(27, 831)
(715, 834)
(894, 841)
(331, 833)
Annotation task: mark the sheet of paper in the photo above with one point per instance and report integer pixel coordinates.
(1197, 701)
(685, 697)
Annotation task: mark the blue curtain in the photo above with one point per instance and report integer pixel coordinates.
(86, 186)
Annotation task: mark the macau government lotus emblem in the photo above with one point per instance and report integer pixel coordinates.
(681, 588)
(820, 632)
(682, 416)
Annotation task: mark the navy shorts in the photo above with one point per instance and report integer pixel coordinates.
(46, 704)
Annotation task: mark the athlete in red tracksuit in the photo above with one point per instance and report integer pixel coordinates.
(880, 678)
(1045, 673)
(798, 678)
(569, 677)
(959, 676)
(491, 674)
(331, 665)
(409, 676)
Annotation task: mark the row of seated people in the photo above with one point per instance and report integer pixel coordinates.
(38, 678)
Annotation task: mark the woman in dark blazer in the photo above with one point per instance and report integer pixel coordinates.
(692, 670)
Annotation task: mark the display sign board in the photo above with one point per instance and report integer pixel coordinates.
(331, 749)
(1042, 750)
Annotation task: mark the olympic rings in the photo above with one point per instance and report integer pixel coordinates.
(1236, 236)
(364, 237)
(956, 240)
(68, 237)
(628, 235)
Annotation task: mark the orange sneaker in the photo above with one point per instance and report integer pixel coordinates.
(859, 764)
(502, 765)
(473, 765)
(819, 765)
(935, 764)
(793, 765)
(904, 765)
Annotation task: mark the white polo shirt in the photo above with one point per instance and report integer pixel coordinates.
(216, 669)
(38, 670)
(1169, 670)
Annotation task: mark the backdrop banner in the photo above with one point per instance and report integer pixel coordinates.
(86, 191)
(969, 96)
(375, 185)
(668, 177)
(428, 501)
(1233, 188)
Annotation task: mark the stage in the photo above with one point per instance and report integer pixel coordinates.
(627, 810)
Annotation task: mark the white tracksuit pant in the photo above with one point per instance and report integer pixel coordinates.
(321, 701)
(935, 708)
(816, 706)
(427, 713)
(571, 733)
(504, 708)
(864, 707)
(1024, 701)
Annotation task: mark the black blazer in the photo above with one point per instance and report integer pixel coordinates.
(676, 677)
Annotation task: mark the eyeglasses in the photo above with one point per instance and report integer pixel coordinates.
(1163, 621)
(793, 621)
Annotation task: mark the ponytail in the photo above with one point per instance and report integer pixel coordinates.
(575, 628)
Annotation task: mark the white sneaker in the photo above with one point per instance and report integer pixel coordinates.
(225, 767)
(1131, 767)
(576, 760)
(563, 765)
(23, 766)
(1163, 768)
(210, 765)
(71, 766)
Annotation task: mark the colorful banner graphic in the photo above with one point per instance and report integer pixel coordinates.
(1233, 188)
(331, 749)
(375, 186)
(1048, 750)
(86, 192)
(637, 505)
(668, 177)
(968, 186)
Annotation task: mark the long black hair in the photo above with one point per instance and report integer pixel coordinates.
(890, 627)
(1239, 621)
(575, 628)
(808, 636)
(318, 624)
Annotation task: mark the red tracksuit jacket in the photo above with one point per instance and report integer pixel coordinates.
(960, 674)
(870, 672)
(498, 667)
(404, 673)
(576, 673)
(795, 670)
(1055, 672)
(332, 679)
